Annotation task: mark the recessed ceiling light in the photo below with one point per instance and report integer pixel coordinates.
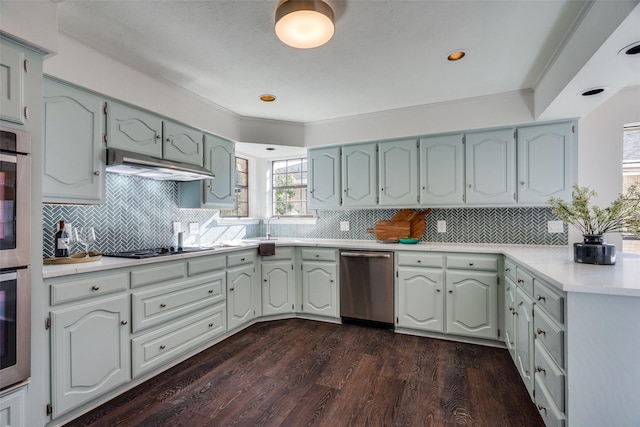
(632, 49)
(457, 55)
(594, 91)
(270, 149)
(267, 97)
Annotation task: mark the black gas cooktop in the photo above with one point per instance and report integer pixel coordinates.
(154, 252)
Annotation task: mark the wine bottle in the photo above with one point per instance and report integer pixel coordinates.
(61, 242)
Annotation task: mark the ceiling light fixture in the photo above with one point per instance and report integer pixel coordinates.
(267, 97)
(632, 49)
(457, 55)
(304, 24)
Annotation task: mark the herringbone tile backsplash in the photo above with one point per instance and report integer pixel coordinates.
(139, 213)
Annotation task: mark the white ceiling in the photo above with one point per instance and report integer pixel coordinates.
(384, 54)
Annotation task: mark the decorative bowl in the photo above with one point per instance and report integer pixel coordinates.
(408, 240)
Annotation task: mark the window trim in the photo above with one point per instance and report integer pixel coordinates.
(303, 218)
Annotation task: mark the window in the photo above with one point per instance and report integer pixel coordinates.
(289, 187)
(241, 194)
(631, 176)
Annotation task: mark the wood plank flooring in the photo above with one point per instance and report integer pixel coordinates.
(301, 373)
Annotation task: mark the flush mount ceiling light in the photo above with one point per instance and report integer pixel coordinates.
(457, 55)
(632, 49)
(304, 24)
(267, 97)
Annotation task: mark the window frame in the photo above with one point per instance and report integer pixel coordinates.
(302, 188)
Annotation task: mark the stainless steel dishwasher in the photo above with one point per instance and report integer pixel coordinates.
(366, 287)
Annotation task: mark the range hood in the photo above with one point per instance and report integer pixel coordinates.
(129, 163)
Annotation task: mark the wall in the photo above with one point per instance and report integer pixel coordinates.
(139, 213)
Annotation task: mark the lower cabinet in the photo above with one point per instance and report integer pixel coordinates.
(278, 287)
(90, 351)
(12, 408)
(472, 304)
(320, 287)
(420, 298)
(524, 338)
(240, 295)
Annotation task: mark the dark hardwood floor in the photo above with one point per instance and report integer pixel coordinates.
(301, 373)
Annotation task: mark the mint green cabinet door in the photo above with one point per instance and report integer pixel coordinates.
(359, 175)
(524, 338)
(132, 129)
(320, 288)
(324, 178)
(73, 169)
(11, 83)
(277, 287)
(472, 303)
(546, 157)
(240, 298)
(490, 167)
(182, 143)
(510, 316)
(420, 300)
(219, 158)
(90, 351)
(442, 170)
(398, 173)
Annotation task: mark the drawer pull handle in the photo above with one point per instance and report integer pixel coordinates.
(210, 291)
(95, 288)
(542, 408)
(317, 255)
(163, 305)
(541, 332)
(541, 369)
(124, 322)
(520, 281)
(419, 261)
(507, 270)
(542, 298)
(242, 259)
(162, 347)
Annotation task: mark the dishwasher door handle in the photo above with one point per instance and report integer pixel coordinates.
(365, 255)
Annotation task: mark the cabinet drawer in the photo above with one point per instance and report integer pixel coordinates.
(473, 262)
(88, 287)
(550, 334)
(549, 374)
(281, 253)
(551, 415)
(161, 272)
(205, 264)
(159, 347)
(510, 269)
(525, 281)
(240, 258)
(551, 301)
(158, 305)
(420, 259)
(319, 254)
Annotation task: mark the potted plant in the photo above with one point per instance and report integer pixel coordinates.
(622, 215)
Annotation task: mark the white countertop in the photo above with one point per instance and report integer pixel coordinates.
(552, 263)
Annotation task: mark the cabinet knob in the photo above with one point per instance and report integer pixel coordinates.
(168, 139)
(382, 189)
(97, 173)
(211, 325)
(437, 290)
(163, 305)
(345, 190)
(470, 264)
(424, 188)
(515, 313)
(210, 291)
(162, 347)
(265, 280)
(157, 136)
(95, 287)
(542, 408)
(330, 280)
(231, 289)
(542, 298)
(450, 291)
(242, 259)
(124, 322)
(507, 270)
(317, 255)
(541, 332)
(419, 261)
(541, 369)
(521, 182)
(520, 281)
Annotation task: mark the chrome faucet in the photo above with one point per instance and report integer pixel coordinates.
(269, 227)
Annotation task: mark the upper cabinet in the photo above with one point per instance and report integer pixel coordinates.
(398, 166)
(360, 175)
(132, 129)
(324, 178)
(13, 66)
(442, 170)
(219, 158)
(546, 162)
(490, 167)
(73, 169)
(182, 143)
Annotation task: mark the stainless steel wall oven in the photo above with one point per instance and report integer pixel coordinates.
(15, 238)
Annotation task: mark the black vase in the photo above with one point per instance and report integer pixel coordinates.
(593, 250)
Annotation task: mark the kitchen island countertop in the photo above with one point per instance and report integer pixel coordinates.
(552, 263)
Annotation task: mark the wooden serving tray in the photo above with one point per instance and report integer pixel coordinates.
(73, 259)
